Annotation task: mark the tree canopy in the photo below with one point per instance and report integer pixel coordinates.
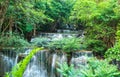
(100, 18)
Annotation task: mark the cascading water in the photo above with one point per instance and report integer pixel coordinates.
(57, 58)
(7, 61)
(53, 65)
(79, 59)
(36, 67)
(44, 63)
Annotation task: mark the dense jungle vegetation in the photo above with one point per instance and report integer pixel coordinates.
(32, 16)
(20, 20)
(99, 19)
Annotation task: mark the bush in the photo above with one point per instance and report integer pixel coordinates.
(56, 44)
(13, 40)
(97, 68)
(40, 42)
(94, 68)
(94, 45)
(113, 52)
(71, 44)
(67, 71)
(66, 44)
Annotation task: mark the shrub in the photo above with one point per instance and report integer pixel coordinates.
(113, 52)
(94, 68)
(67, 71)
(40, 42)
(12, 40)
(71, 44)
(100, 68)
(56, 44)
(66, 44)
(94, 45)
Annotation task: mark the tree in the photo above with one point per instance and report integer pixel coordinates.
(21, 16)
(99, 17)
(59, 11)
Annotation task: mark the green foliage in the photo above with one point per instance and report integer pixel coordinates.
(59, 11)
(100, 18)
(101, 68)
(71, 44)
(56, 44)
(118, 34)
(94, 11)
(19, 69)
(94, 68)
(32, 15)
(94, 45)
(23, 16)
(67, 71)
(13, 40)
(66, 44)
(113, 52)
(40, 42)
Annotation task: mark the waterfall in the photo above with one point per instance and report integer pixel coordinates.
(43, 63)
(7, 59)
(57, 58)
(53, 65)
(79, 59)
(36, 67)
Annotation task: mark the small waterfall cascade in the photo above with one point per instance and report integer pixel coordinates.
(79, 59)
(56, 36)
(43, 63)
(53, 65)
(7, 61)
(36, 67)
(57, 58)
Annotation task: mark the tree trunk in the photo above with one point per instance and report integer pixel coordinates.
(11, 24)
(69, 57)
(3, 8)
(34, 31)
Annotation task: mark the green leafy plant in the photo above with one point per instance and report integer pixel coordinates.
(66, 44)
(13, 40)
(100, 19)
(94, 45)
(19, 69)
(56, 44)
(71, 44)
(67, 71)
(94, 68)
(40, 42)
(100, 68)
(113, 52)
